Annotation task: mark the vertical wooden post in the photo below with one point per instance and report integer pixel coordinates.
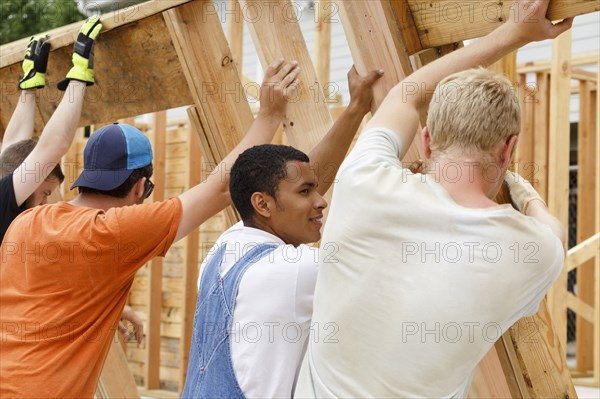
(324, 9)
(525, 144)
(155, 272)
(190, 271)
(540, 150)
(596, 347)
(236, 32)
(558, 165)
(586, 183)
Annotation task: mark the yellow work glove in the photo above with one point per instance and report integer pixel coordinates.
(83, 55)
(35, 63)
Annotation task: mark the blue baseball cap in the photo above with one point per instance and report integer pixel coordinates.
(110, 156)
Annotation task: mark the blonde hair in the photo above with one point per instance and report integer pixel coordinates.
(472, 112)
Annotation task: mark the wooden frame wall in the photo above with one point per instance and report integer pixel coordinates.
(189, 59)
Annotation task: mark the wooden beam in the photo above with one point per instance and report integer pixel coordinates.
(235, 28)
(558, 165)
(308, 119)
(191, 264)
(324, 10)
(440, 22)
(545, 65)
(155, 272)
(525, 144)
(541, 119)
(596, 347)
(146, 76)
(583, 252)
(372, 30)
(116, 381)
(65, 36)
(581, 308)
(210, 73)
(373, 46)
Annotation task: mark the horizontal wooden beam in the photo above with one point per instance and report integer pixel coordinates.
(582, 252)
(137, 71)
(544, 65)
(581, 308)
(583, 75)
(441, 22)
(12, 53)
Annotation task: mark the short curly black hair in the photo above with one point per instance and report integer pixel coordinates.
(260, 169)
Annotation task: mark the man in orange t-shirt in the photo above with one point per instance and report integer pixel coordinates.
(67, 268)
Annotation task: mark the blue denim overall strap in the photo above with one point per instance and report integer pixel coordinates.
(210, 371)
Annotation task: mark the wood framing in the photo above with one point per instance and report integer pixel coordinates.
(116, 380)
(174, 52)
(145, 77)
(308, 119)
(446, 21)
(558, 164)
(155, 272)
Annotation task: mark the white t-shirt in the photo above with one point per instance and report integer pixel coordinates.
(273, 309)
(419, 287)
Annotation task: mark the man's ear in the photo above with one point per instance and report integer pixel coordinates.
(426, 141)
(138, 189)
(262, 204)
(507, 151)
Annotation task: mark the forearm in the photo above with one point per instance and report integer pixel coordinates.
(328, 155)
(20, 126)
(539, 211)
(58, 134)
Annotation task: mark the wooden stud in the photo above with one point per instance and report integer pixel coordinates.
(545, 65)
(558, 165)
(308, 119)
(596, 347)
(369, 22)
(324, 10)
(586, 182)
(440, 22)
(155, 273)
(235, 22)
(541, 120)
(116, 380)
(191, 269)
(525, 145)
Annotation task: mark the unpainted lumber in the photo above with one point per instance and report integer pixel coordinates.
(440, 22)
(558, 165)
(155, 275)
(278, 35)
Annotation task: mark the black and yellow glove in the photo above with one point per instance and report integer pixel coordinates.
(83, 55)
(35, 63)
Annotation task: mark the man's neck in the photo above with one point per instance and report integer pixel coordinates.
(99, 201)
(470, 182)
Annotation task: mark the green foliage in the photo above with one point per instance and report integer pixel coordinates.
(24, 18)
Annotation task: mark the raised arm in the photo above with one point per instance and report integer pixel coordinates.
(328, 155)
(20, 126)
(400, 109)
(211, 196)
(59, 132)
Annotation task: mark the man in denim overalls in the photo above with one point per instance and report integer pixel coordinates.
(256, 289)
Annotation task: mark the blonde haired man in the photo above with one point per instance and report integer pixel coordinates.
(429, 270)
